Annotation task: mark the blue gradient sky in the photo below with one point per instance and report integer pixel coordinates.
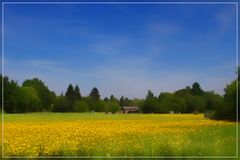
(122, 49)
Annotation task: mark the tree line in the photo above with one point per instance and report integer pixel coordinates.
(34, 96)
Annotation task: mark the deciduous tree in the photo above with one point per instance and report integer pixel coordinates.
(46, 96)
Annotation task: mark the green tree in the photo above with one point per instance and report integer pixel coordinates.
(137, 102)
(178, 104)
(164, 95)
(46, 96)
(213, 100)
(196, 89)
(11, 92)
(28, 100)
(61, 105)
(183, 92)
(195, 103)
(171, 103)
(100, 106)
(151, 104)
(229, 108)
(81, 106)
(112, 107)
(114, 99)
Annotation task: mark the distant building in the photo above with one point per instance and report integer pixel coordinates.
(130, 109)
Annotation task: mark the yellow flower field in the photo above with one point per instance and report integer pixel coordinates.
(145, 135)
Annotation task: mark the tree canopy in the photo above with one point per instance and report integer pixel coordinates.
(34, 96)
(46, 96)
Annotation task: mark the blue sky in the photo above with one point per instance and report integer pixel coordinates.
(122, 49)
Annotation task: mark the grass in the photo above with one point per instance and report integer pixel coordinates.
(59, 117)
(97, 134)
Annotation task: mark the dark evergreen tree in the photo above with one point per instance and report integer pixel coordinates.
(70, 94)
(70, 97)
(106, 99)
(112, 97)
(95, 94)
(77, 92)
(121, 102)
(149, 95)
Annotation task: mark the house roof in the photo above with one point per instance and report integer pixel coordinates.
(130, 108)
